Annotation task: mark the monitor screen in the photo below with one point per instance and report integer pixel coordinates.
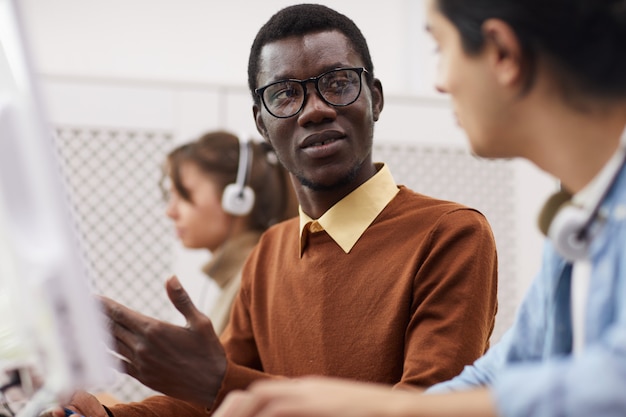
(52, 337)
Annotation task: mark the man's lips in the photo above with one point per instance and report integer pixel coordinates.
(320, 139)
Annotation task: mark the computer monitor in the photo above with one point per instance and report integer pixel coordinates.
(52, 333)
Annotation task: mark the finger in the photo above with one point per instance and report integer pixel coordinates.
(181, 300)
(121, 322)
(86, 404)
(131, 370)
(226, 409)
(114, 311)
(55, 411)
(120, 315)
(262, 398)
(236, 404)
(126, 342)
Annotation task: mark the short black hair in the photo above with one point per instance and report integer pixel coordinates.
(585, 40)
(300, 20)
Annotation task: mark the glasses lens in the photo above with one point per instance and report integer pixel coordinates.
(284, 98)
(340, 87)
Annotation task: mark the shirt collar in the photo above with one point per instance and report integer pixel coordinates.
(348, 219)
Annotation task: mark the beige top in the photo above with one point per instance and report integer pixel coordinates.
(225, 269)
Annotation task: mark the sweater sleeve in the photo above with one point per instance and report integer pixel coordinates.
(454, 299)
(236, 377)
(158, 406)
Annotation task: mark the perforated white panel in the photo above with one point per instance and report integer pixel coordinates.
(113, 176)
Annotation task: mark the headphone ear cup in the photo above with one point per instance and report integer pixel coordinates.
(237, 200)
(564, 232)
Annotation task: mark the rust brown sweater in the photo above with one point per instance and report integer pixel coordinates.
(411, 304)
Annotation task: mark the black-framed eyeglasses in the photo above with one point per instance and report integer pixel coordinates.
(285, 98)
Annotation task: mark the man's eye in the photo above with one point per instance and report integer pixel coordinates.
(339, 83)
(286, 92)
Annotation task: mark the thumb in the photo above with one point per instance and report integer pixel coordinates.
(180, 299)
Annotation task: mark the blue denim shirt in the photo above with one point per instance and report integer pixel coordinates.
(531, 372)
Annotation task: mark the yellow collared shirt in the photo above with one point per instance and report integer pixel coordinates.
(347, 220)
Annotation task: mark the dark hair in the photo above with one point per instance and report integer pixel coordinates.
(217, 154)
(584, 40)
(300, 20)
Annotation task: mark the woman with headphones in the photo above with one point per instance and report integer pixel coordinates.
(543, 80)
(224, 192)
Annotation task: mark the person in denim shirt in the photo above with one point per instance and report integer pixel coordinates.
(544, 80)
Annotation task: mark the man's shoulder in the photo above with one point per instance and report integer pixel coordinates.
(281, 230)
(411, 198)
(427, 210)
(284, 225)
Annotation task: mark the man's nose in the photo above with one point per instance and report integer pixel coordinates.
(315, 108)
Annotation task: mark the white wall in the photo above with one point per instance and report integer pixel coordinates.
(181, 65)
(201, 40)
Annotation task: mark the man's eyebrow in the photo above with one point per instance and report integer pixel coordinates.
(284, 76)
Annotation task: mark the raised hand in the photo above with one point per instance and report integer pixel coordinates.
(187, 363)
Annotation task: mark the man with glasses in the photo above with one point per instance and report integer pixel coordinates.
(372, 282)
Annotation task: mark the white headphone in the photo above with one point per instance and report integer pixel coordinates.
(238, 198)
(569, 226)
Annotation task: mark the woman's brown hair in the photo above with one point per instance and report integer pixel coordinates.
(216, 154)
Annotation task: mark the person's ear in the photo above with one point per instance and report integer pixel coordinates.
(504, 51)
(260, 124)
(378, 99)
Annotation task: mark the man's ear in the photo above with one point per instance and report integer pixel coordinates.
(378, 99)
(260, 125)
(505, 51)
